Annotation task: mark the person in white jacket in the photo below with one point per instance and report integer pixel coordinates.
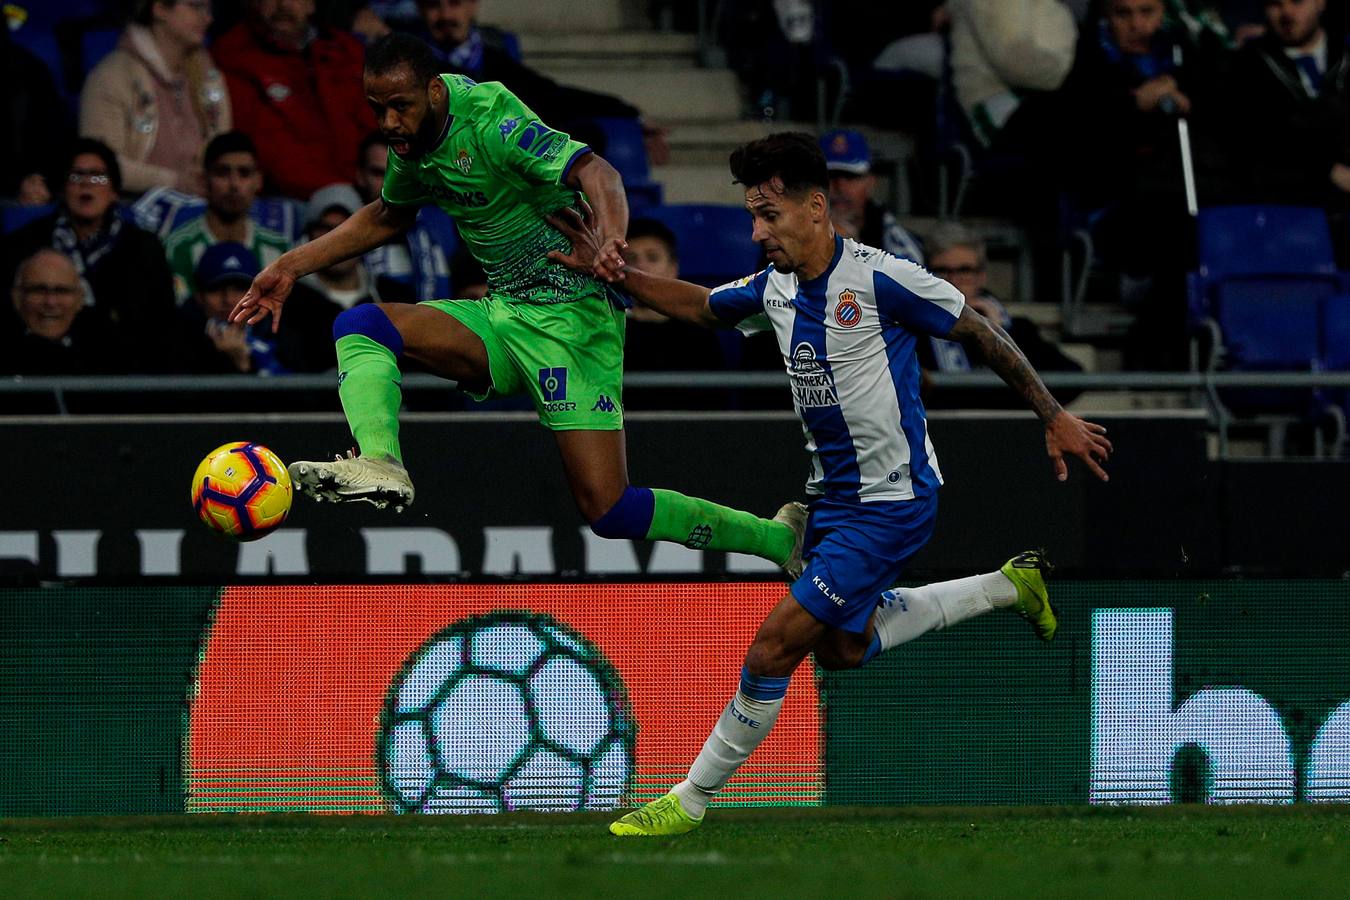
(158, 99)
(1003, 49)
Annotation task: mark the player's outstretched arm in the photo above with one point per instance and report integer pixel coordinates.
(372, 225)
(1064, 432)
(668, 296)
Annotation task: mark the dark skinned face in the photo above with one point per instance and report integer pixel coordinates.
(408, 113)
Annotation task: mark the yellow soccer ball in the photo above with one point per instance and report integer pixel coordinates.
(242, 491)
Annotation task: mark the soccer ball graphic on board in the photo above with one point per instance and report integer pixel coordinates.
(507, 711)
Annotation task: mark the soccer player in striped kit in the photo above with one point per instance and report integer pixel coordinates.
(846, 317)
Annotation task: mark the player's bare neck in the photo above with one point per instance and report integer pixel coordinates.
(818, 257)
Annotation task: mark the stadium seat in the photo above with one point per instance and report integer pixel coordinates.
(1271, 244)
(626, 151)
(95, 44)
(12, 218)
(714, 241)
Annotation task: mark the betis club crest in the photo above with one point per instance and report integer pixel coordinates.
(464, 161)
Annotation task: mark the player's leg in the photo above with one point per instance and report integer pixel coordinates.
(596, 466)
(782, 642)
(904, 614)
(371, 338)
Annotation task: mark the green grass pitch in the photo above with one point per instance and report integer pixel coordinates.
(1301, 851)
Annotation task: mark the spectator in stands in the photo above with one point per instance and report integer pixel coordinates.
(655, 343)
(465, 48)
(35, 130)
(1291, 116)
(158, 98)
(346, 283)
(958, 255)
(123, 266)
(50, 331)
(854, 213)
(296, 90)
(390, 266)
(207, 343)
(1003, 52)
(233, 181)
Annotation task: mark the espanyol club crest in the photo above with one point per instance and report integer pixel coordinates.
(847, 313)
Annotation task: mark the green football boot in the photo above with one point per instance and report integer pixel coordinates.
(1027, 570)
(657, 819)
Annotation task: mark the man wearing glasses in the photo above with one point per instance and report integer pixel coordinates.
(128, 279)
(958, 255)
(50, 333)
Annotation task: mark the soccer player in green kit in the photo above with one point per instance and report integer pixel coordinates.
(482, 156)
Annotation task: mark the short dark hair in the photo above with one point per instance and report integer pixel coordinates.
(374, 139)
(653, 228)
(396, 49)
(793, 156)
(229, 142)
(85, 145)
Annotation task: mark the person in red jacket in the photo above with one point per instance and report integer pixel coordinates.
(296, 90)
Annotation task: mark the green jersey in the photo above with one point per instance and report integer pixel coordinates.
(185, 245)
(498, 171)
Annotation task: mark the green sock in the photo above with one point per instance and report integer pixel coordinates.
(703, 525)
(369, 385)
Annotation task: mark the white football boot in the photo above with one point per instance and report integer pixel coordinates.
(793, 515)
(344, 480)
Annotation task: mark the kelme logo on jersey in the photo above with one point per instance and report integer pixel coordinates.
(812, 386)
(847, 312)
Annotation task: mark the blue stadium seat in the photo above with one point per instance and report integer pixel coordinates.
(95, 44)
(1336, 333)
(1273, 244)
(626, 151)
(714, 241)
(12, 218)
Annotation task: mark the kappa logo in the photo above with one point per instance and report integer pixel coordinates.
(604, 404)
(699, 538)
(847, 312)
(507, 126)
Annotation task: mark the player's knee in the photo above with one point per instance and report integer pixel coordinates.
(629, 517)
(368, 320)
(766, 658)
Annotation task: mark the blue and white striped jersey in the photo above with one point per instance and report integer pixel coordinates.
(847, 340)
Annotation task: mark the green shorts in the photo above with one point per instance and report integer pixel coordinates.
(567, 356)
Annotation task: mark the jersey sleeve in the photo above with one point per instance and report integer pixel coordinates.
(401, 187)
(912, 297)
(516, 140)
(740, 304)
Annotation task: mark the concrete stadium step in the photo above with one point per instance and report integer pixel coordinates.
(664, 94)
(699, 184)
(609, 50)
(557, 15)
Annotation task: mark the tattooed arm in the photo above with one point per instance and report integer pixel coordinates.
(1064, 432)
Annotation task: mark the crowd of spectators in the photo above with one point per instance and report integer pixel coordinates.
(247, 134)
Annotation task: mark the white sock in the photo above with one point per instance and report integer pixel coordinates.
(908, 613)
(739, 730)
